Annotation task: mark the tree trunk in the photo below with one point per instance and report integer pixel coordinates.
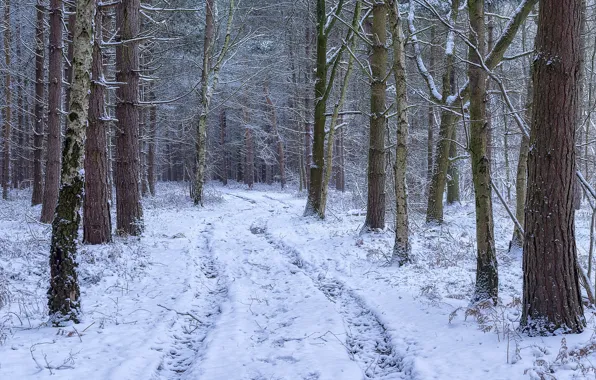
(223, 169)
(431, 114)
(249, 168)
(453, 194)
(434, 213)
(129, 213)
(97, 224)
(8, 96)
(436, 188)
(487, 278)
(315, 168)
(279, 142)
(151, 164)
(552, 298)
(63, 295)
(54, 141)
(521, 177)
(308, 127)
(401, 248)
(375, 208)
(37, 195)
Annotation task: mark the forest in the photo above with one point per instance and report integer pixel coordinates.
(305, 189)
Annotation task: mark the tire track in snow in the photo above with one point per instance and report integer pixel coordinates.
(205, 293)
(368, 341)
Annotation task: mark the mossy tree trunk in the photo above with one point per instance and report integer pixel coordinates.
(63, 295)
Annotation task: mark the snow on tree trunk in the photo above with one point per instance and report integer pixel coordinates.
(63, 295)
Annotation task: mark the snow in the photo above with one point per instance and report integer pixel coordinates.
(248, 288)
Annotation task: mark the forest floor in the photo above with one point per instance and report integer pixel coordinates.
(247, 288)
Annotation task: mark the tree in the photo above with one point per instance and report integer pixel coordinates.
(209, 79)
(37, 194)
(552, 298)
(54, 141)
(487, 279)
(401, 248)
(97, 224)
(63, 295)
(375, 206)
(8, 108)
(129, 212)
(323, 87)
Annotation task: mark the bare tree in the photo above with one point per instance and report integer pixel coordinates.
(37, 194)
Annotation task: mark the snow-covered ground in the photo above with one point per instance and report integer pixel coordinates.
(247, 288)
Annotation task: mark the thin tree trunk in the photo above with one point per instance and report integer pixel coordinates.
(375, 208)
(8, 96)
(487, 279)
(431, 114)
(249, 168)
(436, 189)
(314, 169)
(453, 193)
(63, 295)
(552, 297)
(401, 248)
(37, 194)
(521, 177)
(337, 107)
(129, 213)
(97, 224)
(279, 142)
(308, 127)
(223, 169)
(151, 157)
(54, 141)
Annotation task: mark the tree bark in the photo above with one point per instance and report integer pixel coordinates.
(375, 208)
(223, 152)
(97, 224)
(315, 168)
(54, 140)
(151, 157)
(37, 194)
(453, 193)
(401, 248)
(63, 295)
(552, 298)
(129, 213)
(487, 278)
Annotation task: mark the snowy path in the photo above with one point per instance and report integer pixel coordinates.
(248, 289)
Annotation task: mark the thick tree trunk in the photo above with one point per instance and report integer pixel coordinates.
(37, 195)
(129, 213)
(552, 298)
(8, 96)
(487, 278)
(97, 224)
(375, 208)
(63, 295)
(54, 141)
(401, 248)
